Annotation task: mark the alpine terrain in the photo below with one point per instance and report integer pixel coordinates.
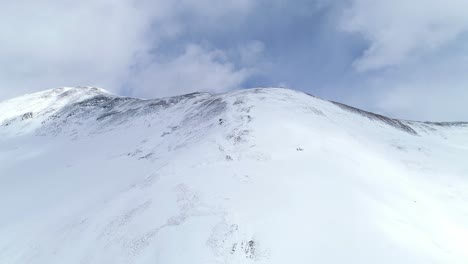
(252, 176)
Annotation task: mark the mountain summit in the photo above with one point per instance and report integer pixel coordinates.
(252, 176)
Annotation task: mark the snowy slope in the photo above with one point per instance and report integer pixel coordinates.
(252, 176)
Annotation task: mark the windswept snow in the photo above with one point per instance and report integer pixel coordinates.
(252, 176)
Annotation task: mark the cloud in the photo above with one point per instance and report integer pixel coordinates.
(251, 53)
(413, 66)
(58, 43)
(434, 89)
(431, 89)
(412, 101)
(400, 31)
(400, 58)
(214, 10)
(197, 69)
(53, 43)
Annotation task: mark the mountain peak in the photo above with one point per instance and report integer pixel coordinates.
(32, 111)
(42, 104)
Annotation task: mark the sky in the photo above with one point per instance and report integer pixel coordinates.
(404, 59)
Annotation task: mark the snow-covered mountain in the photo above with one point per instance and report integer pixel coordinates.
(253, 176)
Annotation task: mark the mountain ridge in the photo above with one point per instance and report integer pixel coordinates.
(66, 96)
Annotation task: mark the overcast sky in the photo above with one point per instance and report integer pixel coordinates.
(402, 58)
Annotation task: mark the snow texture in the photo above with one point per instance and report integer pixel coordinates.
(253, 176)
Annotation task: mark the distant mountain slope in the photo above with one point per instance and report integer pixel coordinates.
(252, 176)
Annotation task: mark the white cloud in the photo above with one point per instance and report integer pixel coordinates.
(444, 102)
(416, 61)
(251, 52)
(434, 89)
(195, 70)
(53, 43)
(399, 31)
(58, 43)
